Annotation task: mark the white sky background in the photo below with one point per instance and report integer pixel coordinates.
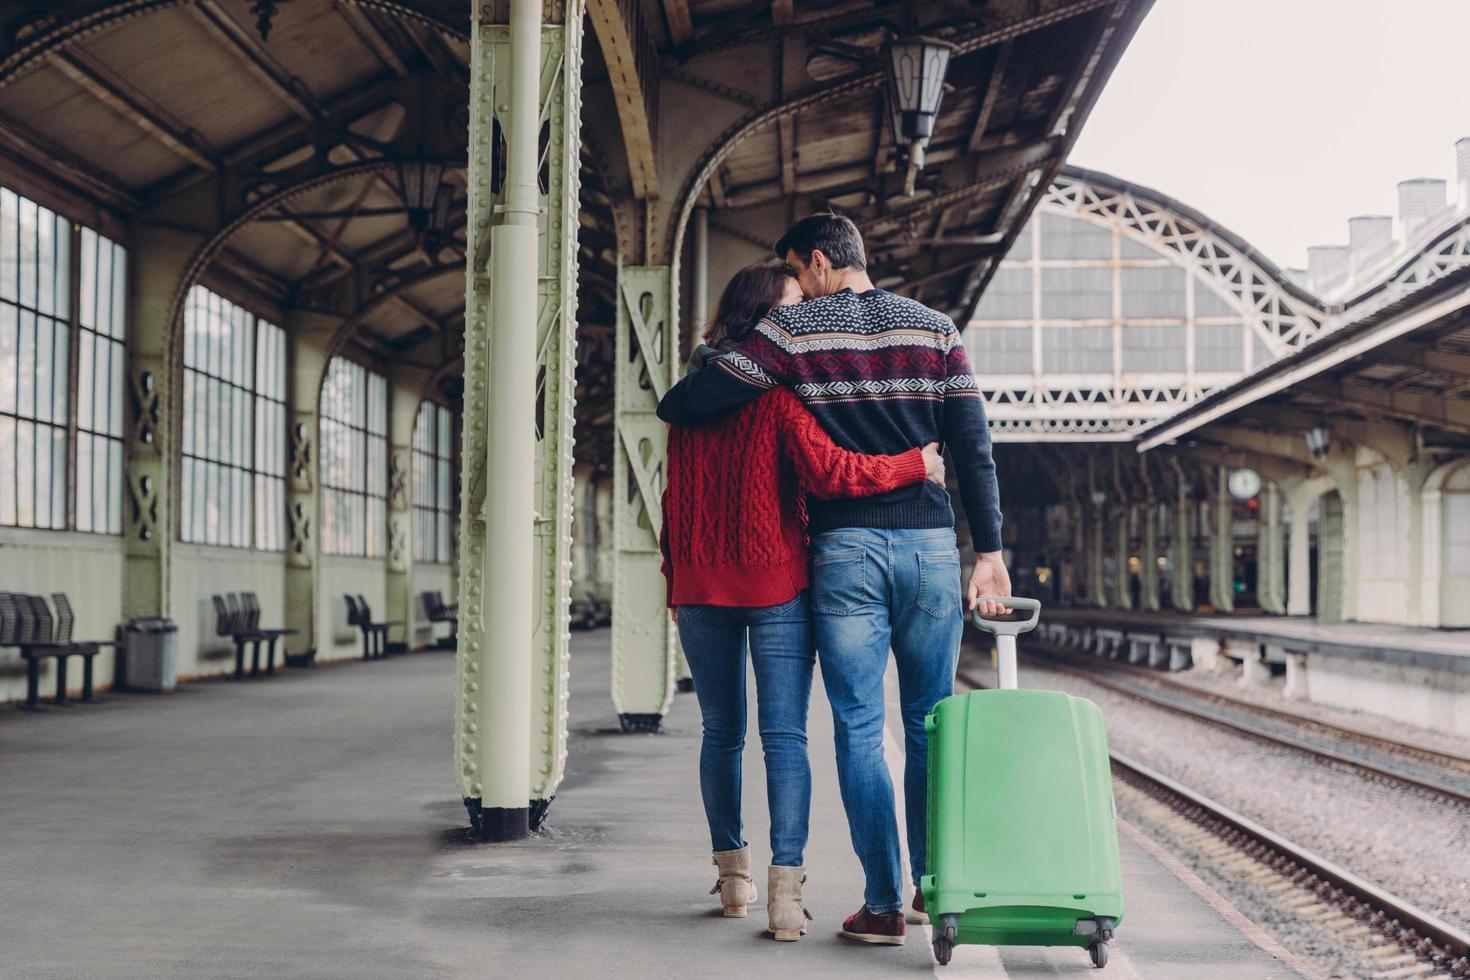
(1281, 118)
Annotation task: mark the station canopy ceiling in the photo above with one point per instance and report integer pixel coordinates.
(184, 115)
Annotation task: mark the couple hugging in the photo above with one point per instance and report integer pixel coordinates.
(806, 511)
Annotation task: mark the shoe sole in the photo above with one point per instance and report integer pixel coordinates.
(786, 935)
(865, 937)
(735, 913)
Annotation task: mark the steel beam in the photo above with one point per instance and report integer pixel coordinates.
(644, 651)
(510, 726)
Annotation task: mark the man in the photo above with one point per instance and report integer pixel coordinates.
(881, 373)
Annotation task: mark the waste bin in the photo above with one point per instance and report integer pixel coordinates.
(151, 655)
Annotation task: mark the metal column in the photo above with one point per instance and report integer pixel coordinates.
(1222, 546)
(644, 650)
(510, 725)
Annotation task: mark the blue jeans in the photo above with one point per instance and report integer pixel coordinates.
(714, 639)
(874, 590)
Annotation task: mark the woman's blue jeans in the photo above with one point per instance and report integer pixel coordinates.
(782, 651)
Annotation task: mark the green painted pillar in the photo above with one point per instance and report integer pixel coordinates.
(1122, 580)
(158, 257)
(1182, 589)
(510, 711)
(309, 336)
(1096, 573)
(1222, 546)
(1270, 551)
(405, 386)
(1148, 518)
(644, 650)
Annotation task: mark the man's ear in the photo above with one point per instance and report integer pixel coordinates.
(819, 263)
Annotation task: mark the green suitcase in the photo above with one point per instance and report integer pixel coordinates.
(1023, 840)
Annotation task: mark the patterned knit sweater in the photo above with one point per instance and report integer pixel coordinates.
(880, 372)
(734, 524)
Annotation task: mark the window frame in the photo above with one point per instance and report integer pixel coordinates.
(364, 462)
(253, 408)
(433, 483)
(76, 336)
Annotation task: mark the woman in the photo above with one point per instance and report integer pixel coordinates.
(735, 557)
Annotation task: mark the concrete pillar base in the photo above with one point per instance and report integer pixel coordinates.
(1296, 676)
(1179, 654)
(1254, 672)
(1204, 653)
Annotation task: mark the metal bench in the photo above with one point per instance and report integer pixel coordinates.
(250, 619)
(229, 620)
(374, 635)
(436, 610)
(26, 623)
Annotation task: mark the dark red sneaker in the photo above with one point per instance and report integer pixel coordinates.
(881, 928)
(918, 916)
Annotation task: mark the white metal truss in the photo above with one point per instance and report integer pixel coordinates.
(1086, 407)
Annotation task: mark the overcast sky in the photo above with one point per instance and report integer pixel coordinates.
(1280, 118)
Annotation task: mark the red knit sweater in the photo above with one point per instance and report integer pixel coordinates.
(734, 511)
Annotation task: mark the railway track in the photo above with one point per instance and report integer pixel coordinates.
(1441, 774)
(1390, 935)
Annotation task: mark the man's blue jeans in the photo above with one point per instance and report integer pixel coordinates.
(714, 639)
(874, 590)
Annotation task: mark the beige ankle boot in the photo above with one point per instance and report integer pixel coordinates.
(735, 886)
(787, 916)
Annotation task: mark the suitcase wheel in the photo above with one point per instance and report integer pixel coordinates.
(944, 941)
(1098, 951)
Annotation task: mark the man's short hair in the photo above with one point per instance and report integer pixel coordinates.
(837, 238)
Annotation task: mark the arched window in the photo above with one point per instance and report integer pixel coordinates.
(43, 259)
(433, 487)
(354, 433)
(234, 449)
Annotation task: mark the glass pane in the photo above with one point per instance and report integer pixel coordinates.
(58, 478)
(25, 473)
(46, 261)
(114, 486)
(26, 382)
(119, 291)
(28, 267)
(62, 268)
(43, 476)
(7, 470)
(9, 356)
(9, 245)
(84, 482)
(61, 338)
(89, 278)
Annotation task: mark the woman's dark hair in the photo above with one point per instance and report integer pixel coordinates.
(749, 296)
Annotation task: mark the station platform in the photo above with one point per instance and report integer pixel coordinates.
(1387, 643)
(305, 826)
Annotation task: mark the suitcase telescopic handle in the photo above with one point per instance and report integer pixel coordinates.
(1008, 626)
(1006, 631)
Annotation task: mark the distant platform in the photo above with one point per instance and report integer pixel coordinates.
(1415, 646)
(306, 825)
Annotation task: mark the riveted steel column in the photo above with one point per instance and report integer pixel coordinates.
(308, 339)
(516, 508)
(403, 406)
(1123, 579)
(158, 257)
(644, 651)
(1222, 545)
(1182, 589)
(1270, 551)
(1148, 593)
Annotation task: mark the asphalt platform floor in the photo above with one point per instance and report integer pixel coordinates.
(307, 825)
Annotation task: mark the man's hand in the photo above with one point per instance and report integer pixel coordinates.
(933, 463)
(989, 578)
